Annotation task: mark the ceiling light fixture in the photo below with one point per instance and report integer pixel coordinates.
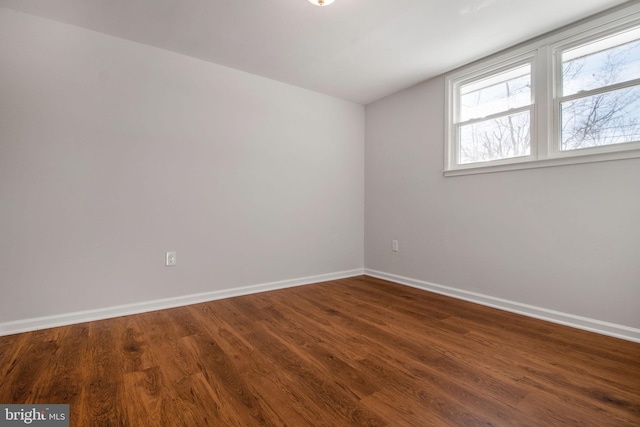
(321, 2)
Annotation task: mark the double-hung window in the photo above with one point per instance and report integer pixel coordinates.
(572, 97)
(598, 91)
(494, 113)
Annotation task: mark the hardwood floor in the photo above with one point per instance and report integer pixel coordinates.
(351, 352)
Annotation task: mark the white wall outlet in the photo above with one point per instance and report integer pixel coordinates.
(394, 245)
(170, 259)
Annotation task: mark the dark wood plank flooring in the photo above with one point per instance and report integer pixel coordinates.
(352, 352)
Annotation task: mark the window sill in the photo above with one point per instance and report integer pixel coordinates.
(545, 163)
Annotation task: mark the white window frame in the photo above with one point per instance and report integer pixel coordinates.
(545, 57)
(526, 58)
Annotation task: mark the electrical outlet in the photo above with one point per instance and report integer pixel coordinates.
(394, 245)
(170, 259)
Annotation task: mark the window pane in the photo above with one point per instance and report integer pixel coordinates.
(496, 94)
(604, 119)
(605, 62)
(500, 138)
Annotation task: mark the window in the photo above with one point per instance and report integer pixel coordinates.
(494, 116)
(571, 98)
(599, 92)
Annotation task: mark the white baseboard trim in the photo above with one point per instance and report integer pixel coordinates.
(579, 322)
(28, 325)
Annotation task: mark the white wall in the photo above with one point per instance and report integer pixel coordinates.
(565, 238)
(112, 153)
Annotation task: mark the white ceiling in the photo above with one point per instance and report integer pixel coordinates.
(359, 50)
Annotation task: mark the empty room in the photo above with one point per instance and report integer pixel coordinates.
(319, 213)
